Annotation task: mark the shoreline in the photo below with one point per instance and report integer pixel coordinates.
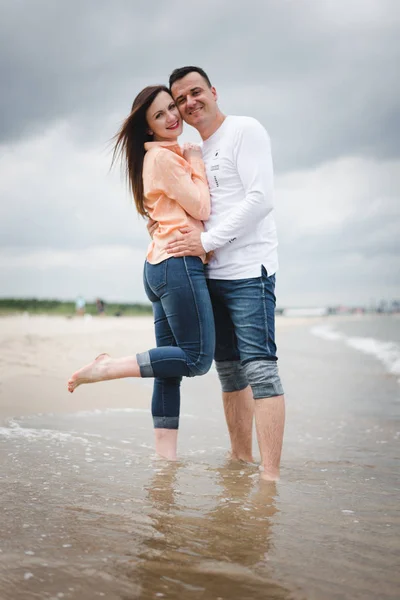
(39, 353)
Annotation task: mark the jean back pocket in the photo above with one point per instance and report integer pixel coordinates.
(156, 275)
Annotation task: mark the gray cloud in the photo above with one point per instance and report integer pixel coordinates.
(320, 76)
(374, 238)
(356, 262)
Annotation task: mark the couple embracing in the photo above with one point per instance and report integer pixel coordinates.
(210, 268)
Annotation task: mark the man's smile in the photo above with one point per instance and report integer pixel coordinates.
(195, 110)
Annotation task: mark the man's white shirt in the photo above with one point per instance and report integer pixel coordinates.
(241, 229)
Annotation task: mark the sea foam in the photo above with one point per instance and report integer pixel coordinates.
(388, 353)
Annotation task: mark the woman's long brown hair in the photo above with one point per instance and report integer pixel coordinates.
(130, 140)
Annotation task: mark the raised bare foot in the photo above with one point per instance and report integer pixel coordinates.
(91, 373)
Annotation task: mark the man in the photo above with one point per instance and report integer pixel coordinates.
(241, 274)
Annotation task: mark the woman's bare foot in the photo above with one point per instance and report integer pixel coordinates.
(166, 443)
(92, 373)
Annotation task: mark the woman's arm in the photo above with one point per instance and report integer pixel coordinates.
(183, 180)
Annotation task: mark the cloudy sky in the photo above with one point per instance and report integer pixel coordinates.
(321, 75)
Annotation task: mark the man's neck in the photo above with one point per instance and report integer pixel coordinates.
(212, 128)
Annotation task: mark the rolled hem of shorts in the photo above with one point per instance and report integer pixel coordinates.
(144, 362)
(238, 384)
(237, 387)
(268, 392)
(166, 422)
(254, 358)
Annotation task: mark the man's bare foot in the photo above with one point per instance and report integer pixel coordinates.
(91, 373)
(243, 458)
(272, 475)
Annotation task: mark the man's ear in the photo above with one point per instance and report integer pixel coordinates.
(214, 93)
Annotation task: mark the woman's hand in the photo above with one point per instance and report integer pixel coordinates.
(151, 226)
(190, 150)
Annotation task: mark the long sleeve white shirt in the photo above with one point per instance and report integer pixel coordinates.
(241, 229)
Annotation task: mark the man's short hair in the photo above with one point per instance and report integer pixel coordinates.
(183, 71)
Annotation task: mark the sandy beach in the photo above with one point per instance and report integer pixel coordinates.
(87, 512)
(39, 353)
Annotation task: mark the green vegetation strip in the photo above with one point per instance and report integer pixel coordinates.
(58, 307)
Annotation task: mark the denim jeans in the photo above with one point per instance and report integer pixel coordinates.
(245, 352)
(184, 329)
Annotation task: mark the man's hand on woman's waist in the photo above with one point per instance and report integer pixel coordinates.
(189, 245)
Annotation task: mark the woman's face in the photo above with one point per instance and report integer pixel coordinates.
(163, 118)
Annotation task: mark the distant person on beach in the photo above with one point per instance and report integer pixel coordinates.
(241, 233)
(169, 185)
(100, 306)
(80, 305)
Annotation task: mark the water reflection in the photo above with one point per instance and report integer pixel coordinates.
(221, 547)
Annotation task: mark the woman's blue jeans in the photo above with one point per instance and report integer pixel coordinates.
(184, 328)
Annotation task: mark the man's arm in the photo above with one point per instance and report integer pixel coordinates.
(254, 165)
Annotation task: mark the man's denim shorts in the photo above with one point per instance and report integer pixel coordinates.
(244, 315)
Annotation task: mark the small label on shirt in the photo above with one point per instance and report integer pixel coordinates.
(215, 168)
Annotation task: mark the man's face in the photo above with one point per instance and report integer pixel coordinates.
(196, 101)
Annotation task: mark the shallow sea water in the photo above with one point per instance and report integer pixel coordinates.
(86, 511)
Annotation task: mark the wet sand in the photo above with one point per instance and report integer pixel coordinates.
(86, 512)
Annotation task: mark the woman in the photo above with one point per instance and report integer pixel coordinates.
(169, 186)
